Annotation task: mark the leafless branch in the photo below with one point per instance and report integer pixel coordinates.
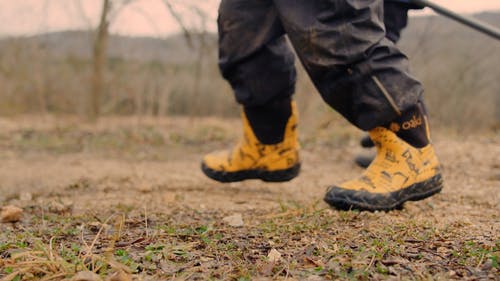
(178, 18)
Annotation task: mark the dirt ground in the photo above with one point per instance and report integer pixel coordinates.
(129, 191)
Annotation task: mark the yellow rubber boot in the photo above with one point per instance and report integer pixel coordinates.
(399, 173)
(251, 159)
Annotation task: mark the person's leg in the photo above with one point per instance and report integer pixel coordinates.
(255, 59)
(395, 20)
(365, 77)
(342, 46)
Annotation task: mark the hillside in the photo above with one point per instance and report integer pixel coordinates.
(174, 48)
(160, 76)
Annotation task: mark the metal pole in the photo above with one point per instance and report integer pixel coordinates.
(471, 22)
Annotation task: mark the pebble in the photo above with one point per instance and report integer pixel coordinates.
(11, 214)
(235, 220)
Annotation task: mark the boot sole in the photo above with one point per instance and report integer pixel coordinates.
(363, 161)
(267, 176)
(346, 200)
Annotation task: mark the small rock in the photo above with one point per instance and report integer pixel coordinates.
(25, 196)
(235, 220)
(495, 177)
(120, 276)
(86, 276)
(274, 256)
(145, 188)
(11, 214)
(60, 207)
(488, 265)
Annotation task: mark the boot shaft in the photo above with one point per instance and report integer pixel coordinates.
(412, 126)
(288, 134)
(269, 121)
(252, 159)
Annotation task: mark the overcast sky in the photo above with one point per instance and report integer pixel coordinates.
(142, 18)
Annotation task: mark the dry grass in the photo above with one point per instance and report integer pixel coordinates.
(126, 195)
(194, 245)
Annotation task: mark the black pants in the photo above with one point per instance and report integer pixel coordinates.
(341, 43)
(395, 18)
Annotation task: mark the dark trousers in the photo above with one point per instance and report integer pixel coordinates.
(341, 43)
(395, 19)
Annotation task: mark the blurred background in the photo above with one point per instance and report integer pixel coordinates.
(158, 58)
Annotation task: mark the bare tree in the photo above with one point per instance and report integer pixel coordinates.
(109, 12)
(178, 18)
(99, 61)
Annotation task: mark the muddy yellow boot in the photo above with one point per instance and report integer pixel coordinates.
(400, 172)
(251, 159)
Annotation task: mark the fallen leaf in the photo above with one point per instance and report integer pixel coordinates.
(11, 214)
